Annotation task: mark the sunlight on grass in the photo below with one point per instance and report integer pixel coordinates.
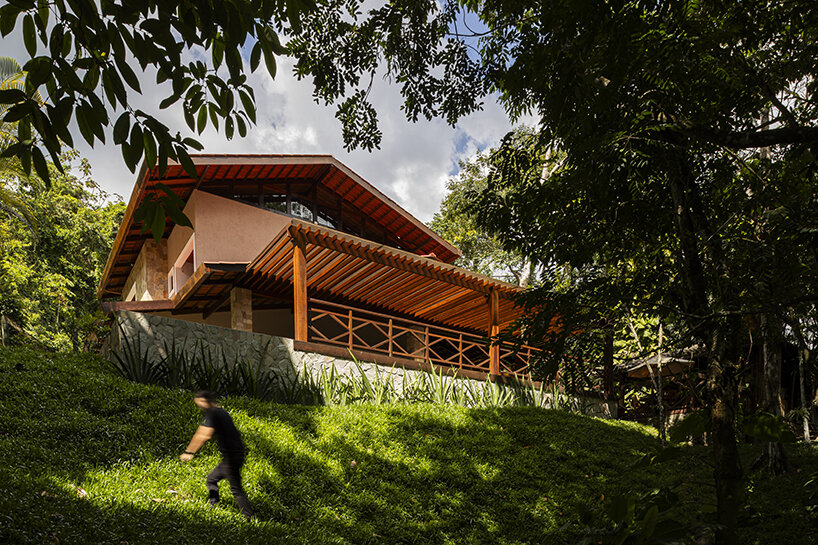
(86, 457)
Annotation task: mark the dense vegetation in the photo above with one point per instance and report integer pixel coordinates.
(53, 247)
(86, 456)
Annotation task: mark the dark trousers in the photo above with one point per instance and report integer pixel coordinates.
(229, 468)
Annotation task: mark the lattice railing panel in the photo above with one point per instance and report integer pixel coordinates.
(397, 337)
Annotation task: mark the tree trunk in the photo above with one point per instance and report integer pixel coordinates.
(607, 359)
(774, 458)
(699, 246)
(722, 387)
(803, 357)
(526, 273)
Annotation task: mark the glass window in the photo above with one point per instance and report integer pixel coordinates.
(276, 202)
(302, 209)
(247, 199)
(325, 218)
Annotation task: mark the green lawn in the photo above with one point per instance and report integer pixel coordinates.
(86, 457)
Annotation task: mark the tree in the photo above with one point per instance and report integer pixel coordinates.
(48, 278)
(12, 77)
(665, 200)
(481, 249)
(657, 107)
(82, 52)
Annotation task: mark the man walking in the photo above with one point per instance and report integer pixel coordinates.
(216, 421)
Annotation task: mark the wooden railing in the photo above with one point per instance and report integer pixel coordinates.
(356, 329)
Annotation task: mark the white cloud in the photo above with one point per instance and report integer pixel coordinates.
(412, 166)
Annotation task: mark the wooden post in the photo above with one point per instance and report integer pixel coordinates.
(494, 330)
(300, 290)
(389, 339)
(349, 329)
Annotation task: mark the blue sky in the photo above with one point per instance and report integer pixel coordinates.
(412, 166)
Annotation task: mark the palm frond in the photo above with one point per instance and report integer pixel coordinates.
(12, 205)
(9, 67)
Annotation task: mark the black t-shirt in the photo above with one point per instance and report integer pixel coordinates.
(227, 436)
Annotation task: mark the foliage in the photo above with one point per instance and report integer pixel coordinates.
(48, 277)
(481, 250)
(11, 77)
(89, 457)
(688, 186)
(644, 519)
(363, 473)
(693, 58)
(85, 55)
(201, 369)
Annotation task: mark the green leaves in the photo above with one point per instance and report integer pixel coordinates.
(102, 44)
(694, 424)
(767, 427)
(121, 128)
(158, 205)
(29, 35)
(53, 253)
(8, 18)
(642, 519)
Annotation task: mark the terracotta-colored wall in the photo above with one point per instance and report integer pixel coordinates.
(180, 235)
(226, 231)
(232, 232)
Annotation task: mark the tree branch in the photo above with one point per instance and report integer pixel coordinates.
(756, 138)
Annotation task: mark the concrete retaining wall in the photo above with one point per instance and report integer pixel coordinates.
(155, 333)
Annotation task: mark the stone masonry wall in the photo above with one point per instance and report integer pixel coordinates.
(148, 277)
(154, 332)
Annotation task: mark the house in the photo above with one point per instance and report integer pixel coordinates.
(299, 246)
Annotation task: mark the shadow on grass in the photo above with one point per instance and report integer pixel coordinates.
(363, 474)
(425, 474)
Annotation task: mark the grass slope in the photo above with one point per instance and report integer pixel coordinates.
(86, 457)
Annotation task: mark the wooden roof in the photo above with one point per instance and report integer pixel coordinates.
(250, 171)
(347, 269)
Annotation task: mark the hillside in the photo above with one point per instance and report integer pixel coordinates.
(86, 457)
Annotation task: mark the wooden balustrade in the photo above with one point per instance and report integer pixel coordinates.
(356, 329)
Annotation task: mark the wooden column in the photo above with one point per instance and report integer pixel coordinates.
(494, 330)
(300, 290)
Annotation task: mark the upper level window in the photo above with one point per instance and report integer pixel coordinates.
(245, 198)
(326, 219)
(276, 202)
(301, 209)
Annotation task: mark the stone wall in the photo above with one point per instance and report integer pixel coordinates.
(148, 279)
(154, 333)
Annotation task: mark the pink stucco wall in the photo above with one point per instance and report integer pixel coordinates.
(226, 231)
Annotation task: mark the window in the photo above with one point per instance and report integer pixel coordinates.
(326, 219)
(301, 209)
(276, 202)
(182, 269)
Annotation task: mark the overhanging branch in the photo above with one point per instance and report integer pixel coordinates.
(755, 139)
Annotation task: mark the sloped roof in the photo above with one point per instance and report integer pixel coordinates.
(348, 269)
(251, 170)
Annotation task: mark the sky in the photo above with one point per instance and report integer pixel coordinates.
(412, 165)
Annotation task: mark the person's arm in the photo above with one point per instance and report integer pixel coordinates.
(203, 433)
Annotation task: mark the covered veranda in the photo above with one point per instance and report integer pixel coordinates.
(350, 295)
